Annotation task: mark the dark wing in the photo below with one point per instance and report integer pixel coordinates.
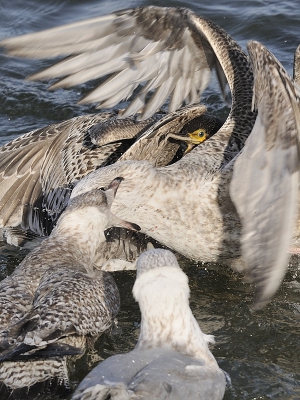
(265, 182)
(154, 144)
(162, 48)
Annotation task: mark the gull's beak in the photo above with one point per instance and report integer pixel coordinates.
(178, 137)
(112, 190)
(150, 246)
(114, 220)
(114, 185)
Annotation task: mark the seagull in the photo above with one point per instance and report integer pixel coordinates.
(54, 298)
(234, 198)
(171, 358)
(55, 293)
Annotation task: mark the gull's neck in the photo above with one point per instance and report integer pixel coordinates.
(236, 66)
(76, 237)
(167, 320)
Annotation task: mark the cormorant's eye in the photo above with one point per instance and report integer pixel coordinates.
(201, 134)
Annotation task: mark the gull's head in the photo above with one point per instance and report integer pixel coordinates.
(160, 282)
(155, 258)
(90, 212)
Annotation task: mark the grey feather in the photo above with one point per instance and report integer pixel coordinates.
(140, 51)
(265, 182)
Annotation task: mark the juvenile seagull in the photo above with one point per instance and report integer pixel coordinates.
(55, 292)
(171, 359)
(241, 211)
(230, 200)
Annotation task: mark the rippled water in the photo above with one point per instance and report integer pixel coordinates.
(260, 351)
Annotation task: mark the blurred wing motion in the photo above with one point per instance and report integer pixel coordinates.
(265, 183)
(162, 48)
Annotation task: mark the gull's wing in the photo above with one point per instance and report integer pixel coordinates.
(24, 377)
(33, 179)
(166, 49)
(184, 377)
(265, 181)
(152, 374)
(296, 70)
(67, 301)
(38, 170)
(90, 142)
(20, 164)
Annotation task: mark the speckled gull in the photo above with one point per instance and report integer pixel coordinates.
(190, 207)
(198, 206)
(171, 359)
(55, 292)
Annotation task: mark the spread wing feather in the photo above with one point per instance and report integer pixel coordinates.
(265, 183)
(158, 47)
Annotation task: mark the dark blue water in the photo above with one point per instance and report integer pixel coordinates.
(260, 351)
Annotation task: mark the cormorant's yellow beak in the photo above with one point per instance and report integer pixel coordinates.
(196, 137)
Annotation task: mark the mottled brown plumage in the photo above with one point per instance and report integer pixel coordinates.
(55, 291)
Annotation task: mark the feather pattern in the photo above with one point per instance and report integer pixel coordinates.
(135, 46)
(171, 359)
(195, 209)
(55, 292)
(39, 169)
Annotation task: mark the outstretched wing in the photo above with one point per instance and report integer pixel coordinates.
(159, 47)
(38, 170)
(34, 173)
(265, 182)
(20, 186)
